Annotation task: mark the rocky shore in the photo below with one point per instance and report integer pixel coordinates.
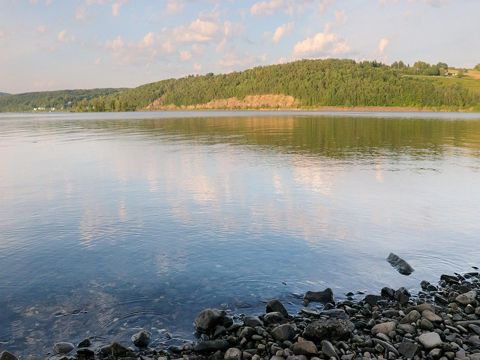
(438, 322)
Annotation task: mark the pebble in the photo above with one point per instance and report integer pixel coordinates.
(430, 340)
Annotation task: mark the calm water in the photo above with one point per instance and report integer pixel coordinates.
(112, 222)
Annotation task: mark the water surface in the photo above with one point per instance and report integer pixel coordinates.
(111, 222)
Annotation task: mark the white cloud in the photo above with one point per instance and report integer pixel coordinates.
(321, 45)
(64, 37)
(266, 7)
(185, 55)
(80, 13)
(148, 40)
(117, 4)
(382, 45)
(197, 68)
(41, 29)
(116, 44)
(281, 31)
(197, 31)
(174, 6)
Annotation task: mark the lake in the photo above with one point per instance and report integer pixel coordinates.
(114, 222)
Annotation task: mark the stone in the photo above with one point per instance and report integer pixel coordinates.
(324, 297)
(208, 319)
(411, 317)
(372, 300)
(273, 318)
(426, 325)
(252, 321)
(85, 354)
(408, 349)
(384, 328)
(468, 298)
(388, 293)
(141, 339)
(331, 329)
(399, 264)
(5, 355)
(276, 306)
(430, 340)
(63, 348)
(283, 332)
(116, 350)
(305, 347)
(335, 313)
(431, 316)
(402, 296)
(406, 328)
(211, 345)
(435, 353)
(233, 354)
(329, 350)
(84, 343)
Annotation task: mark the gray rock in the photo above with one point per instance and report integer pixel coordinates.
(276, 306)
(332, 329)
(402, 296)
(141, 339)
(430, 340)
(116, 350)
(233, 354)
(431, 316)
(408, 349)
(329, 350)
(306, 347)
(85, 354)
(399, 264)
(283, 332)
(411, 317)
(84, 343)
(373, 300)
(63, 348)
(252, 321)
(467, 298)
(208, 319)
(273, 318)
(211, 345)
(426, 325)
(384, 328)
(406, 328)
(5, 355)
(324, 297)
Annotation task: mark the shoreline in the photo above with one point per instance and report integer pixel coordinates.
(439, 322)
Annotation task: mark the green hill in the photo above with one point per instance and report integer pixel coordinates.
(50, 100)
(303, 84)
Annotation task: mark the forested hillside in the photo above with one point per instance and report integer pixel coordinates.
(312, 83)
(64, 100)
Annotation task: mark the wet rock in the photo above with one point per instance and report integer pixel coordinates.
(388, 293)
(324, 297)
(335, 313)
(372, 300)
(332, 329)
(212, 345)
(273, 318)
(384, 328)
(85, 354)
(426, 325)
(141, 339)
(276, 306)
(233, 354)
(63, 348)
(467, 298)
(5, 355)
(307, 348)
(399, 264)
(84, 343)
(283, 332)
(208, 319)
(411, 317)
(329, 350)
(402, 296)
(430, 340)
(116, 350)
(408, 349)
(252, 321)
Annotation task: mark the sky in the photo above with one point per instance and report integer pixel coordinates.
(67, 44)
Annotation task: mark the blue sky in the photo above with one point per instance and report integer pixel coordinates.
(60, 44)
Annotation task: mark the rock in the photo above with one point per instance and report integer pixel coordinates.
(329, 350)
(273, 318)
(116, 350)
(208, 319)
(384, 328)
(283, 332)
(406, 328)
(233, 354)
(408, 349)
(276, 306)
(332, 329)
(84, 343)
(85, 354)
(141, 339)
(430, 340)
(63, 348)
(252, 321)
(399, 264)
(467, 298)
(372, 300)
(324, 297)
(247, 332)
(411, 317)
(211, 345)
(431, 316)
(305, 347)
(426, 325)
(402, 296)
(388, 293)
(5, 355)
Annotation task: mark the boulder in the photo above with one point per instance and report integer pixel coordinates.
(63, 348)
(332, 329)
(307, 348)
(276, 306)
(324, 297)
(273, 318)
(141, 339)
(283, 332)
(430, 340)
(233, 354)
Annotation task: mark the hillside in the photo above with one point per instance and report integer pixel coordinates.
(304, 84)
(50, 100)
(3, 94)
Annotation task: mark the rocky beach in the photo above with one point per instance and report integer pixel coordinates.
(440, 321)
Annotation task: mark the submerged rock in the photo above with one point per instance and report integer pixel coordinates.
(141, 339)
(399, 264)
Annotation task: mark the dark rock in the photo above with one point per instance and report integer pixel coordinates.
(324, 297)
(329, 350)
(399, 264)
(208, 319)
(141, 339)
(335, 313)
(408, 349)
(273, 318)
(116, 350)
(84, 343)
(283, 332)
(332, 329)
(63, 348)
(411, 317)
(5, 355)
(85, 354)
(211, 345)
(402, 296)
(307, 348)
(233, 354)
(449, 279)
(276, 306)
(388, 293)
(252, 321)
(372, 300)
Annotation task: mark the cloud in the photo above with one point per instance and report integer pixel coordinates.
(64, 37)
(324, 44)
(185, 55)
(81, 13)
(116, 44)
(266, 7)
(197, 68)
(382, 45)
(281, 31)
(174, 6)
(148, 40)
(3, 34)
(41, 29)
(197, 31)
(116, 6)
